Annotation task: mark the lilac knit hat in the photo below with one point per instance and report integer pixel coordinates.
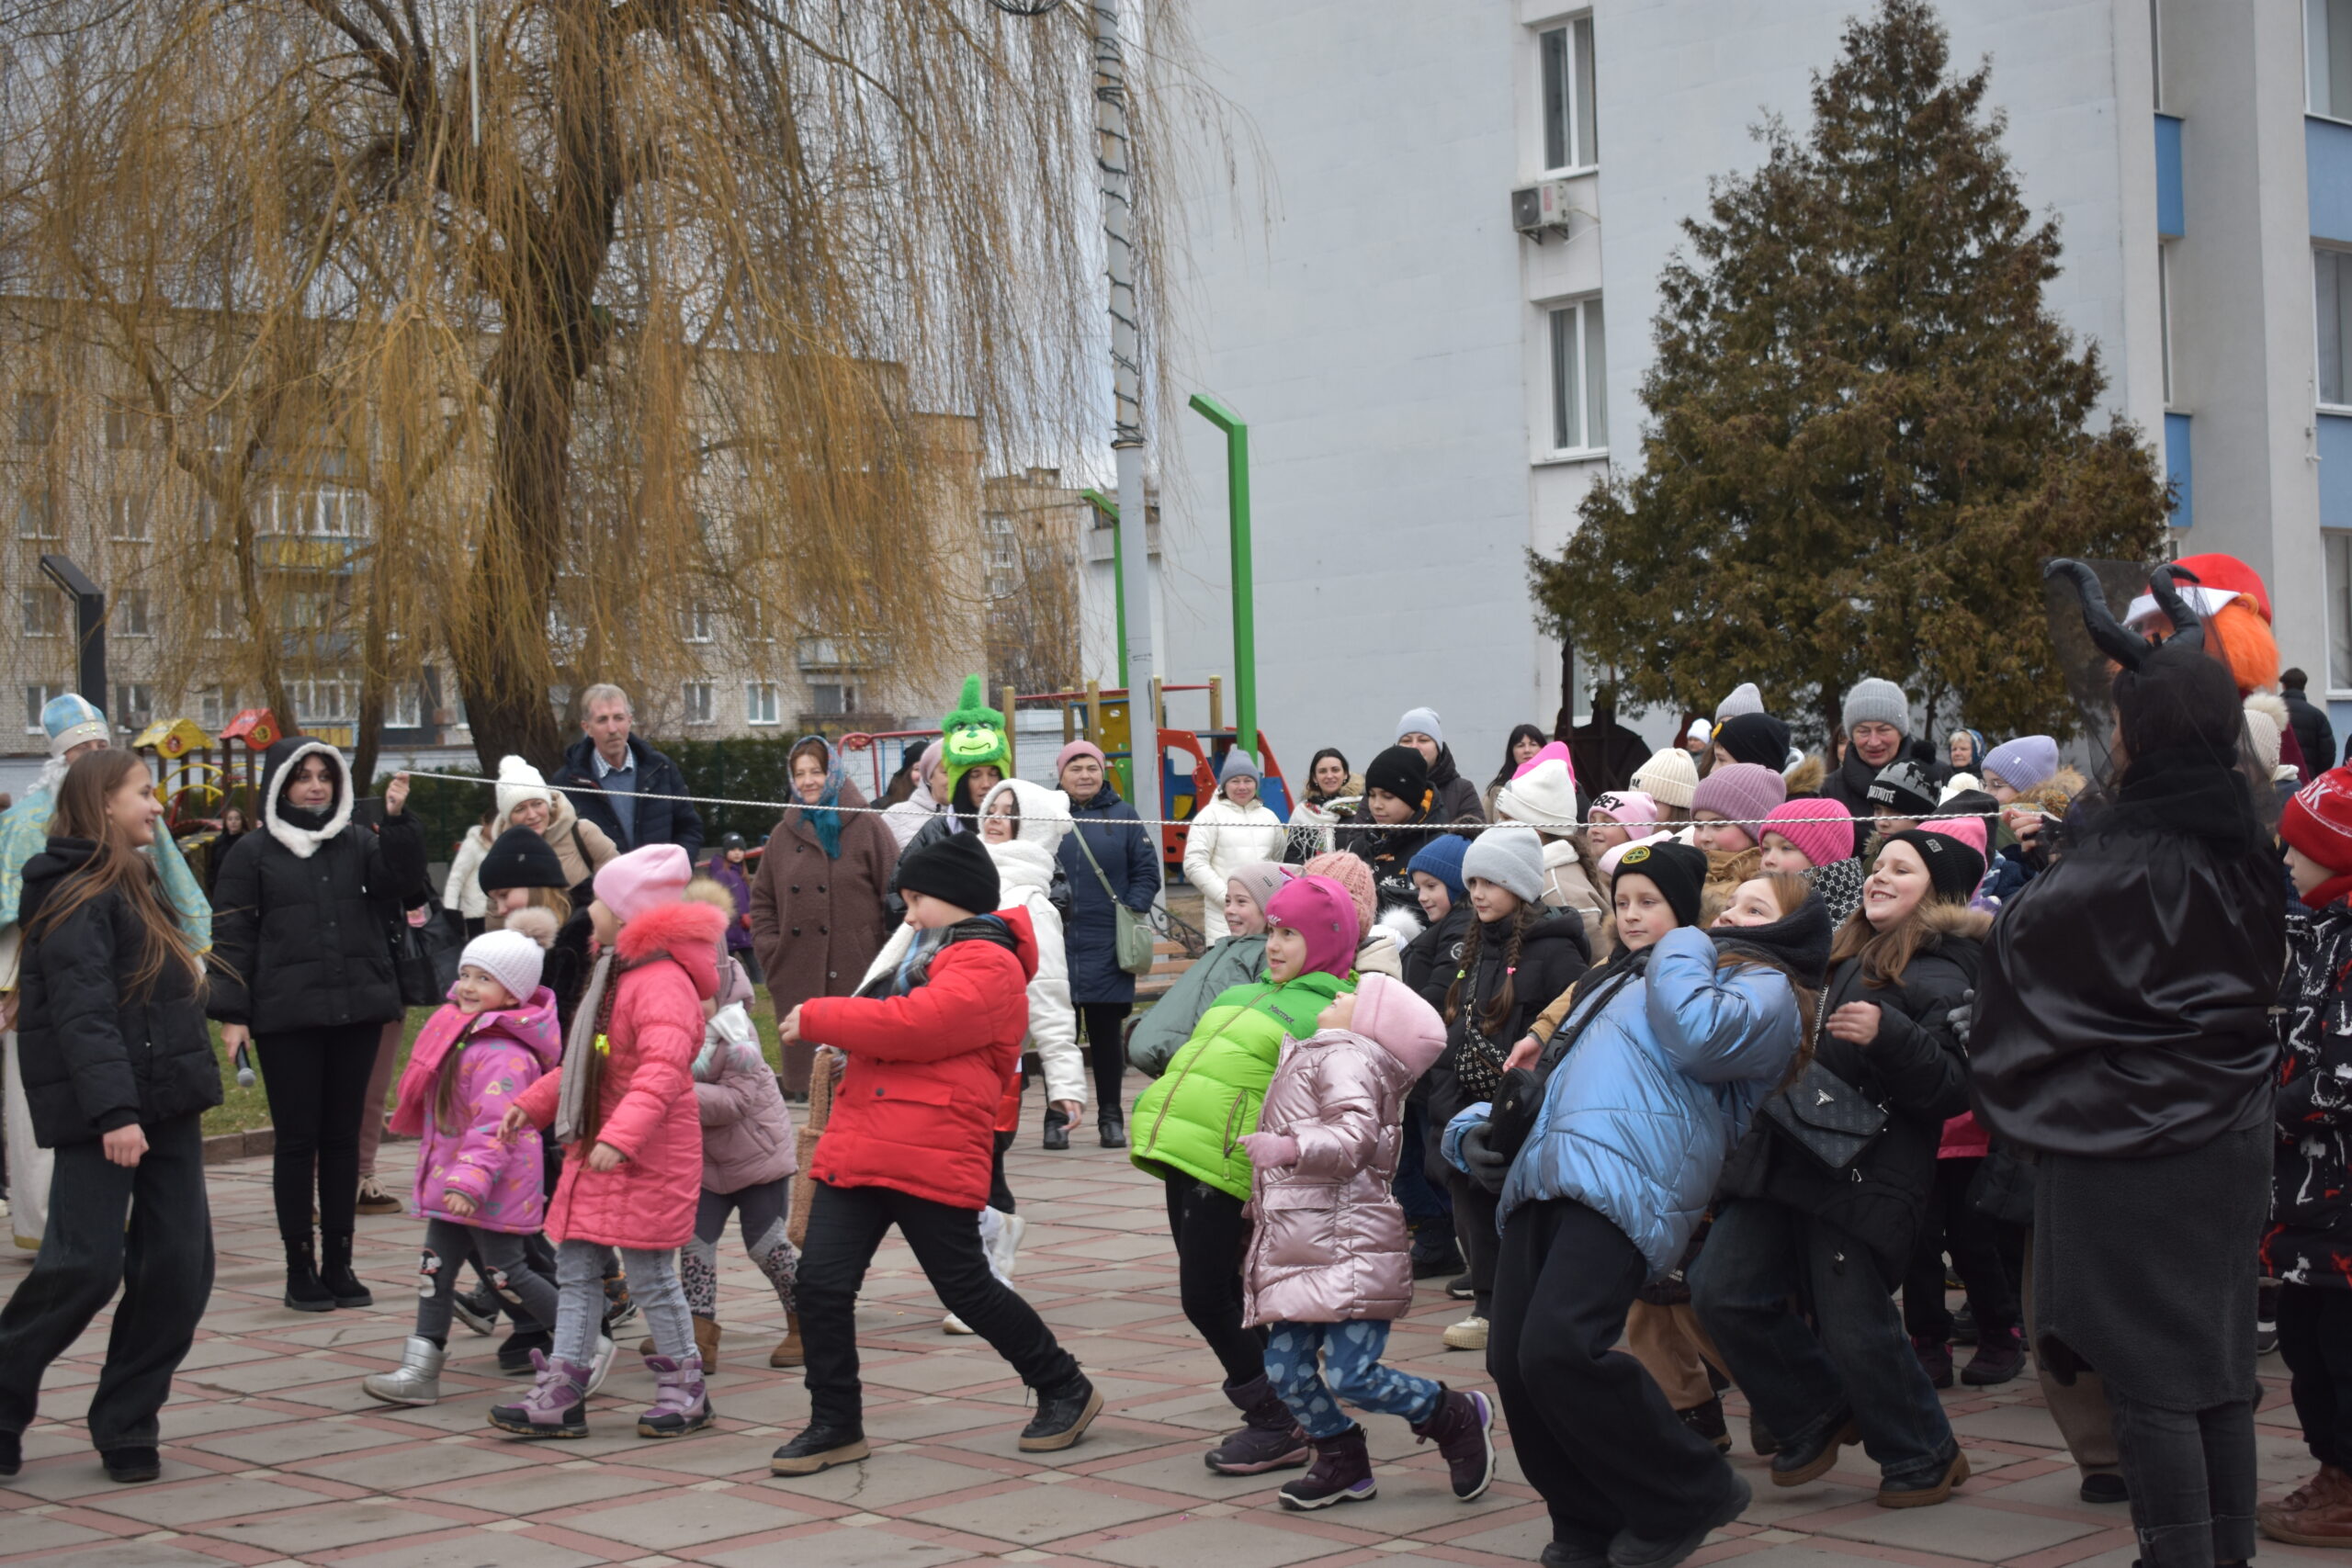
(1742, 791)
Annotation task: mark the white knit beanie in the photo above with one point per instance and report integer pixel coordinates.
(1544, 797)
(508, 957)
(519, 781)
(1670, 777)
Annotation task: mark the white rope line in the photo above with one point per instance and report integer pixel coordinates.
(576, 791)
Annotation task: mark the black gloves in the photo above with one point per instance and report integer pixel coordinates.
(1488, 1169)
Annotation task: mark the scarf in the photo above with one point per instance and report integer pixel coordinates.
(822, 819)
(1798, 944)
(575, 1095)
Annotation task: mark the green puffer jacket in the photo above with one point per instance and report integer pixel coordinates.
(1160, 1033)
(1193, 1119)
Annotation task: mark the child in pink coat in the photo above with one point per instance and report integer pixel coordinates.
(1326, 1270)
(478, 1194)
(623, 1106)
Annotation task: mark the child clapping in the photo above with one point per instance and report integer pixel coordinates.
(1328, 1270)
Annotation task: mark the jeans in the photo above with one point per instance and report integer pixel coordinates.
(504, 1261)
(317, 1083)
(1593, 1433)
(2315, 1337)
(1212, 1232)
(1350, 1369)
(2192, 1481)
(1805, 1379)
(1107, 1052)
(759, 1213)
(846, 1224)
(580, 1300)
(160, 1258)
(1976, 1243)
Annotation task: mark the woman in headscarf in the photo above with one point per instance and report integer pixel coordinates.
(817, 914)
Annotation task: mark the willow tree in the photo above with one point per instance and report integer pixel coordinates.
(626, 316)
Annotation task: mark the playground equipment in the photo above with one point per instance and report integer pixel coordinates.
(187, 781)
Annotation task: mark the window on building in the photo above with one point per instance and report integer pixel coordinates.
(126, 428)
(36, 418)
(2157, 54)
(135, 706)
(228, 618)
(2163, 314)
(131, 614)
(323, 702)
(212, 709)
(36, 516)
(127, 519)
(2327, 56)
(35, 699)
(831, 700)
(1003, 555)
(2332, 272)
(44, 609)
(406, 709)
(701, 707)
(218, 430)
(1579, 374)
(1569, 141)
(759, 703)
(2339, 612)
(698, 622)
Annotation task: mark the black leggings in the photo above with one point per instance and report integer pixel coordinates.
(1212, 1232)
(999, 1189)
(1105, 1051)
(317, 1083)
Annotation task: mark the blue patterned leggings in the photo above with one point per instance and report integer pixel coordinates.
(1349, 1358)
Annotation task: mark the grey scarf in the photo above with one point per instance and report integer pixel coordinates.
(579, 1046)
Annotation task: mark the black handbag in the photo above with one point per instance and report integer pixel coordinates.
(413, 964)
(1822, 1114)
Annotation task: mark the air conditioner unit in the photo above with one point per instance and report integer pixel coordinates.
(1540, 208)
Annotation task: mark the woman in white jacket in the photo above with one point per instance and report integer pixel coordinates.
(462, 894)
(1234, 829)
(1022, 825)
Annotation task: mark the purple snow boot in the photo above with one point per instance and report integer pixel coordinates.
(1341, 1474)
(557, 1406)
(681, 1403)
(1272, 1441)
(1462, 1428)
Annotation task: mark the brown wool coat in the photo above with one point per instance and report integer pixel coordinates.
(816, 923)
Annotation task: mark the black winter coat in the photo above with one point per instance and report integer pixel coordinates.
(1916, 1069)
(1457, 797)
(1128, 853)
(658, 821)
(2309, 1238)
(1431, 957)
(1553, 957)
(1850, 786)
(306, 938)
(2312, 732)
(95, 1057)
(1388, 851)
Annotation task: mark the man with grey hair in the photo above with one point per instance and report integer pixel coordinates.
(618, 781)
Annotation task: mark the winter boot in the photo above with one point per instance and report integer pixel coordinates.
(2317, 1513)
(1463, 1427)
(1999, 1357)
(1935, 1359)
(336, 1275)
(706, 1343)
(1273, 1439)
(819, 1448)
(681, 1403)
(557, 1406)
(304, 1291)
(1341, 1474)
(1056, 1129)
(1112, 1127)
(417, 1379)
(788, 1351)
(1064, 1412)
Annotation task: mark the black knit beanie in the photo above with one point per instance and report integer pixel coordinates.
(520, 858)
(1903, 789)
(955, 869)
(1756, 737)
(1953, 868)
(1677, 871)
(1403, 772)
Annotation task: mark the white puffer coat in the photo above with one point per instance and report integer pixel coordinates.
(1222, 839)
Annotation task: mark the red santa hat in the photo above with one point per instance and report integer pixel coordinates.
(2229, 596)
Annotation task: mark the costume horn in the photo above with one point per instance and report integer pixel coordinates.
(2112, 639)
(2187, 630)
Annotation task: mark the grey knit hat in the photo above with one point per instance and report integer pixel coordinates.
(1744, 698)
(1511, 858)
(1873, 701)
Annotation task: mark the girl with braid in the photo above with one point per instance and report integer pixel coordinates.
(1518, 957)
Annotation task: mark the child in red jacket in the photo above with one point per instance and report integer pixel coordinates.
(623, 1104)
(932, 1044)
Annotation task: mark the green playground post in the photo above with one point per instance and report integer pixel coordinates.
(1245, 596)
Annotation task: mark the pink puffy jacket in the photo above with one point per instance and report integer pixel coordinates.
(500, 1054)
(648, 1103)
(1327, 1243)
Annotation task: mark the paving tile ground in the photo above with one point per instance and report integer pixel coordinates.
(273, 1454)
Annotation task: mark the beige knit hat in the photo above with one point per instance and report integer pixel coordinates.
(1670, 777)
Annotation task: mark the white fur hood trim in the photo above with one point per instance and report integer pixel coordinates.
(305, 841)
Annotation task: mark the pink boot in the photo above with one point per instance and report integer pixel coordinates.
(557, 1406)
(681, 1405)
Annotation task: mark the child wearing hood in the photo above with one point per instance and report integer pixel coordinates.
(1235, 959)
(480, 1196)
(1328, 1269)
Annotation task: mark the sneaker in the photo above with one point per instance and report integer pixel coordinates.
(1063, 1415)
(477, 1308)
(1935, 1359)
(1997, 1359)
(1927, 1491)
(2103, 1487)
(1461, 1289)
(1470, 1334)
(1761, 1441)
(819, 1448)
(1004, 1246)
(2266, 1319)
(374, 1200)
(1707, 1420)
(1341, 1474)
(515, 1352)
(1463, 1427)
(1629, 1550)
(600, 1366)
(619, 1308)
(132, 1464)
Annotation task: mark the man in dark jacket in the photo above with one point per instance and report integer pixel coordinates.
(619, 783)
(2312, 732)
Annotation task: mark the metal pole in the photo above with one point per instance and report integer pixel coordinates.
(1245, 592)
(1126, 381)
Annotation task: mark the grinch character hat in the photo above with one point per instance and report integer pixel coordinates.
(972, 736)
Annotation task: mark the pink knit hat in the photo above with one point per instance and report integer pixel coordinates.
(1818, 829)
(1743, 792)
(644, 879)
(1969, 831)
(1627, 808)
(1553, 751)
(1076, 749)
(1321, 910)
(1352, 874)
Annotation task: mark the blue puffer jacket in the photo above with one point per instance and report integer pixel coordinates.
(1638, 1115)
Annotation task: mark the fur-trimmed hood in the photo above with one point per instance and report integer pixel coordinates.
(1807, 777)
(303, 831)
(689, 931)
(1946, 920)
